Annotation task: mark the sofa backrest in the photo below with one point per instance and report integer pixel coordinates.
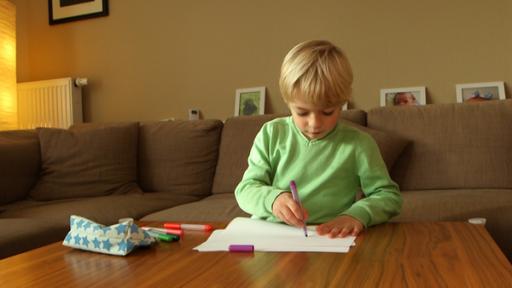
(451, 145)
(87, 160)
(20, 160)
(236, 142)
(179, 156)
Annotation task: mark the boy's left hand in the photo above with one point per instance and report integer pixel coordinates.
(340, 227)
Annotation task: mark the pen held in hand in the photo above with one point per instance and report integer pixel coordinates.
(295, 196)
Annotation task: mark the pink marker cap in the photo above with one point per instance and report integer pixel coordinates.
(241, 248)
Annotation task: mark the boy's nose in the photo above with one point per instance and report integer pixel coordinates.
(315, 121)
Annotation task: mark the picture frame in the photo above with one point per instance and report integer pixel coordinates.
(62, 11)
(478, 92)
(403, 96)
(250, 101)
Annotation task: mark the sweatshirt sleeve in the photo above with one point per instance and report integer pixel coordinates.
(382, 196)
(255, 194)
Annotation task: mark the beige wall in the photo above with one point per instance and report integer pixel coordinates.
(155, 59)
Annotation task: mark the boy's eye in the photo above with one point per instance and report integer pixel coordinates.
(302, 114)
(328, 113)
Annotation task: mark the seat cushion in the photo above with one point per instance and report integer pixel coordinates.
(87, 160)
(21, 234)
(218, 207)
(461, 204)
(105, 210)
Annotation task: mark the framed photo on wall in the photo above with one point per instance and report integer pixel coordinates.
(250, 101)
(478, 92)
(405, 96)
(62, 11)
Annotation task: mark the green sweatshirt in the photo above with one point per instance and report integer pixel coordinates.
(328, 172)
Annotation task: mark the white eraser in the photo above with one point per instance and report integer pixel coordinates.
(478, 220)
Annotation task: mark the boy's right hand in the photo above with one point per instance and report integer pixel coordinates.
(289, 211)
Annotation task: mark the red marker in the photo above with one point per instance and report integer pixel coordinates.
(202, 227)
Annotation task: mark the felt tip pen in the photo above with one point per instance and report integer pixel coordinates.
(164, 230)
(241, 248)
(163, 237)
(201, 227)
(295, 196)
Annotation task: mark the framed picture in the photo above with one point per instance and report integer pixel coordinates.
(477, 92)
(250, 101)
(61, 11)
(405, 96)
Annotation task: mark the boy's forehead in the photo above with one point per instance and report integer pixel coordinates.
(316, 101)
(307, 105)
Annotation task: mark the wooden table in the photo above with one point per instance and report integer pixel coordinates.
(442, 254)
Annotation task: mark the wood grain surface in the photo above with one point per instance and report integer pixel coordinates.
(440, 254)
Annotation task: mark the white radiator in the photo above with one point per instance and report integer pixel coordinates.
(50, 103)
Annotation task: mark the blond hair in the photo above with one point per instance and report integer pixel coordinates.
(318, 72)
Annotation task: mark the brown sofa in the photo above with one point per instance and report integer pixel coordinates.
(452, 162)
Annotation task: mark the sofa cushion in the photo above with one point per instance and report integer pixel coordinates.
(236, 142)
(390, 144)
(218, 207)
(105, 210)
(22, 234)
(19, 164)
(179, 157)
(87, 160)
(452, 145)
(461, 204)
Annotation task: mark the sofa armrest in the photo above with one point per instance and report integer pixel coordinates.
(20, 160)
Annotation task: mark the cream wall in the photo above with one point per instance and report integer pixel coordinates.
(151, 60)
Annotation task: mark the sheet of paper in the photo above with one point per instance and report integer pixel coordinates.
(275, 237)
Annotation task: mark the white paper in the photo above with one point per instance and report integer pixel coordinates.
(275, 237)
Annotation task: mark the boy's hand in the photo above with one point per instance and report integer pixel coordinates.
(286, 209)
(340, 227)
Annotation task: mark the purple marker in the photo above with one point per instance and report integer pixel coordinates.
(295, 196)
(241, 248)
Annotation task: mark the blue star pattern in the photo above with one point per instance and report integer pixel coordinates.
(123, 245)
(96, 243)
(68, 238)
(106, 244)
(85, 241)
(134, 229)
(130, 245)
(118, 239)
(87, 225)
(121, 228)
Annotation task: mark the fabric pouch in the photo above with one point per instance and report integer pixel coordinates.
(118, 239)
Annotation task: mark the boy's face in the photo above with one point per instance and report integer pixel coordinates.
(314, 122)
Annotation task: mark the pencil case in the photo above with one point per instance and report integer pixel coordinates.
(118, 239)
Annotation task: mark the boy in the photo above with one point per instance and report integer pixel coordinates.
(330, 162)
